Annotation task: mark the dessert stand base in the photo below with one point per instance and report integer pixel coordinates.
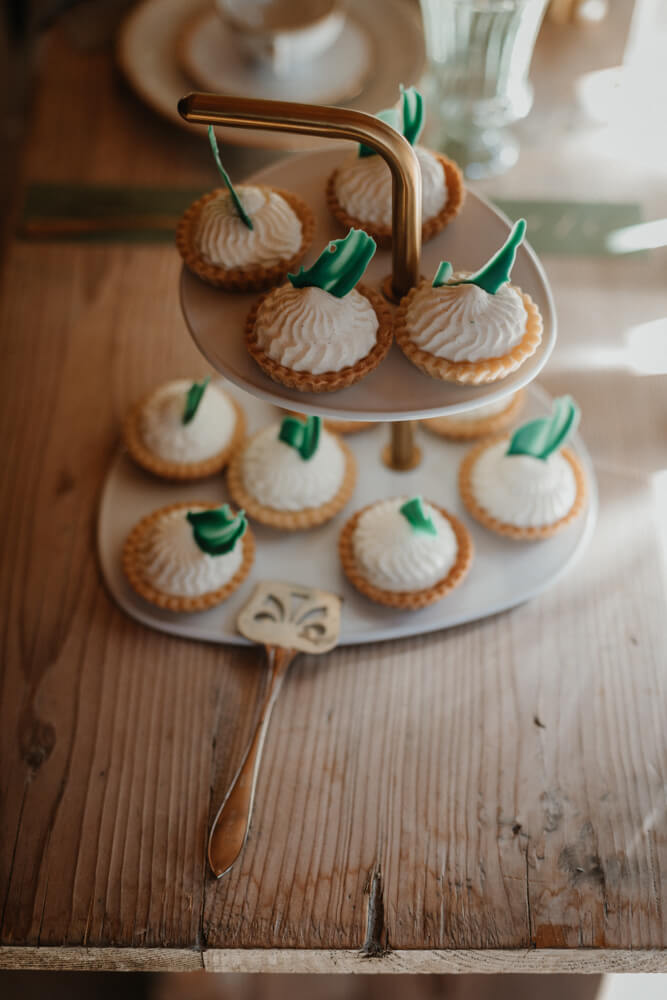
(503, 573)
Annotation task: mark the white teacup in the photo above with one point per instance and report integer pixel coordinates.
(283, 33)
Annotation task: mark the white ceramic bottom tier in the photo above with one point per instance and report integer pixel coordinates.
(503, 573)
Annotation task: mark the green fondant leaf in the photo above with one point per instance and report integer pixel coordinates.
(238, 205)
(217, 531)
(409, 121)
(413, 113)
(302, 435)
(193, 398)
(339, 267)
(540, 438)
(391, 116)
(414, 513)
(497, 270)
(443, 274)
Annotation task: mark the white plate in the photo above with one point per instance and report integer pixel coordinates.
(149, 39)
(504, 573)
(210, 55)
(396, 390)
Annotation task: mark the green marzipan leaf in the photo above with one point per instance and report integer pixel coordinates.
(413, 113)
(193, 398)
(216, 532)
(409, 121)
(302, 435)
(392, 117)
(443, 274)
(238, 204)
(340, 266)
(497, 270)
(540, 438)
(414, 513)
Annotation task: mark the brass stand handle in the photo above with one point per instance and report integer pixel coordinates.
(335, 123)
(342, 123)
(232, 822)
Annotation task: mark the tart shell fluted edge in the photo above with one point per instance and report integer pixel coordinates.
(292, 520)
(520, 534)
(326, 381)
(430, 227)
(469, 372)
(132, 559)
(462, 428)
(179, 471)
(408, 600)
(254, 278)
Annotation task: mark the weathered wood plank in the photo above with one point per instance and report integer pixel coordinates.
(506, 779)
(316, 961)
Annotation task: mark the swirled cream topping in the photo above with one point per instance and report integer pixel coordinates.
(522, 490)
(174, 564)
(310, 330)
(225, 241)
(277, 476)
(393, 556)
(164, 433)
(363, 187)
(466, 323)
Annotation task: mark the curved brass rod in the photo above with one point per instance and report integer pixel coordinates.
(334, 123)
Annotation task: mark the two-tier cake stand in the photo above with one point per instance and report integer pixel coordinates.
(409, 460)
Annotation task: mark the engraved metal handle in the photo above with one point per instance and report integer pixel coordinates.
(335, 123)
(232, 822)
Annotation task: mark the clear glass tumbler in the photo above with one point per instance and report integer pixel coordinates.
(479, 54)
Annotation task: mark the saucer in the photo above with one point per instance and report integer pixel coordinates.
(151, 34)
(209, 53)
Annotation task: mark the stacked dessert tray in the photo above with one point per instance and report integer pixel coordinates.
(504, 573)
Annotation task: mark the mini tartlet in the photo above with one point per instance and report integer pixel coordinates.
(293, 475)
(489, 418)
(526, 486)
(184, 430)
(318, 333)
(188, 556)
(359, 192)
(244, 239)
(405, 553)
(471, 329)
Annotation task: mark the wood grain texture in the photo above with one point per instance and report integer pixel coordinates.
(505, 782)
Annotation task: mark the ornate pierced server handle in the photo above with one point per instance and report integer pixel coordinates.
(232, 822)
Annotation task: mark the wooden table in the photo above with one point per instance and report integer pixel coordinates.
(490, 799)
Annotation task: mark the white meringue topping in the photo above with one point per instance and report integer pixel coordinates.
(174, 564)
(308, 329)
(392, 555)
(224, 240)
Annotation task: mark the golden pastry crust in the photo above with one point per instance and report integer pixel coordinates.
(409, 600)
(462, 428)
(291, 520)
(166, 469)
(521, 534)
(430, 227)
(133, 557)
(336, 426)
(326, 381)
(469, 372)
(241, 279)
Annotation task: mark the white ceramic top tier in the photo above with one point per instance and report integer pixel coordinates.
(396, 390)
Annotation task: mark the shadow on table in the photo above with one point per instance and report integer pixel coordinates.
(207, 986)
